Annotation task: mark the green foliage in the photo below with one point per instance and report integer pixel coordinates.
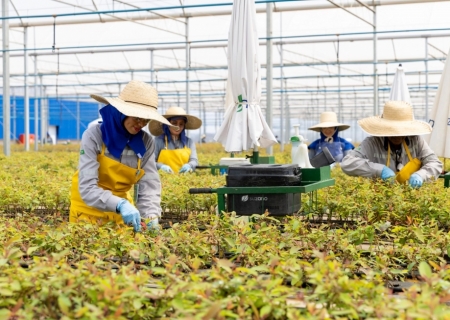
(332, 263)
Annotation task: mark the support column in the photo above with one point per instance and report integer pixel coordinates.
(41, 98)
(281, 100)
(269, 70)
(288, 116)
(78, 118)
(26, 98)
(376, 110)
(152, 69)
(6, 74)
(36, 107)
(188, 63)
(426, 80)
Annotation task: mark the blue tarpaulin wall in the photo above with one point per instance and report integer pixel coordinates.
(62, 114)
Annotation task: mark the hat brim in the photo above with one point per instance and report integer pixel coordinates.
(131, 109)
(379, 127)
(320, 126)
(192, 123)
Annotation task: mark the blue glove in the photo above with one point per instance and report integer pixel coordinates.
(415, 180)
(130, 214)
(387, 173)
(185, 168)
(153, 225)
(166, 168)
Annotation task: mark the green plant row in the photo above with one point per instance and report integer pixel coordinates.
(296, 273)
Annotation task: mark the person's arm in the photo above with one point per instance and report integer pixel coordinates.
(357, 162)
(149, 196)
(91, 193)
(159, 145)
(431, 165)
(193, 160)
(346, 146)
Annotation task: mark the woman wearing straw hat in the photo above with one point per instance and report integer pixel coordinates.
(329, 128)
(174, 151)
(395, 149)
(116, 155)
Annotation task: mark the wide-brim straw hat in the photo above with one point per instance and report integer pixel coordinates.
(328, 119)
(397, 120)
(192, 122)
(137, 99)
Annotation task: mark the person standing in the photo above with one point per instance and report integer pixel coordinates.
(395, 149)
(329, 129)
(117, 155)
(175, 152)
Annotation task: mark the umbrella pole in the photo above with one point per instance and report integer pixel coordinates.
(255, 155)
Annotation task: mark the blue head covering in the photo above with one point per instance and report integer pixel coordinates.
(166, 131)
(346, 145)
(116, 137)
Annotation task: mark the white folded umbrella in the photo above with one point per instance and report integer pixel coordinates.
(244, 126)
(439, 139)
(399, 89)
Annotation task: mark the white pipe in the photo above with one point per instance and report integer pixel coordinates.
(343, 38)
(188, 62)
(375, 66)
(269, 70)
(6, 74)
(426, 79)
(26, 102)
(152, 70)
(300, 7)
(36, 108)
(281, 100)
(78, 119)
(41, 96)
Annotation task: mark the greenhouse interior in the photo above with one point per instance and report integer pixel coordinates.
(235, 203)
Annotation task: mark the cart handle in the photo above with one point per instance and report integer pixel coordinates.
(201, 190)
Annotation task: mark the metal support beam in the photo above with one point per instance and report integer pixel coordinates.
(26, 102)
(36, 107)
(375, 62)
(188, 59)
(281, 100)
(191, 14)
(269, 70)
(6, 93)
(426, 79)
(152, 68)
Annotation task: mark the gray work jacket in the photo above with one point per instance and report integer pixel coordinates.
(149, 196)
(369, 158)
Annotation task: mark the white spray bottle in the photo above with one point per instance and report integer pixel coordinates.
(295, 142)
(302, 154)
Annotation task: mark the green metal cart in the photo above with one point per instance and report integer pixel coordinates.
(313, 179)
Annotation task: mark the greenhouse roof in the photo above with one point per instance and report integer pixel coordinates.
(77, 48)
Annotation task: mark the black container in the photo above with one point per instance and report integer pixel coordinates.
(264, 175)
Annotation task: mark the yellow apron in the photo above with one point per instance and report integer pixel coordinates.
(113, 176)
(174, 158)
(412, 166)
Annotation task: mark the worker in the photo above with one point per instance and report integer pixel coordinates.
(175, 152)
(329, 129)
(116, 155)
(395, 150)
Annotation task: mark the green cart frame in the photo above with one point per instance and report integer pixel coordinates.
(313, 179)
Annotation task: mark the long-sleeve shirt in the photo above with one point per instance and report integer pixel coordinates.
(149, 196)
(161, 144)
(369, 158)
